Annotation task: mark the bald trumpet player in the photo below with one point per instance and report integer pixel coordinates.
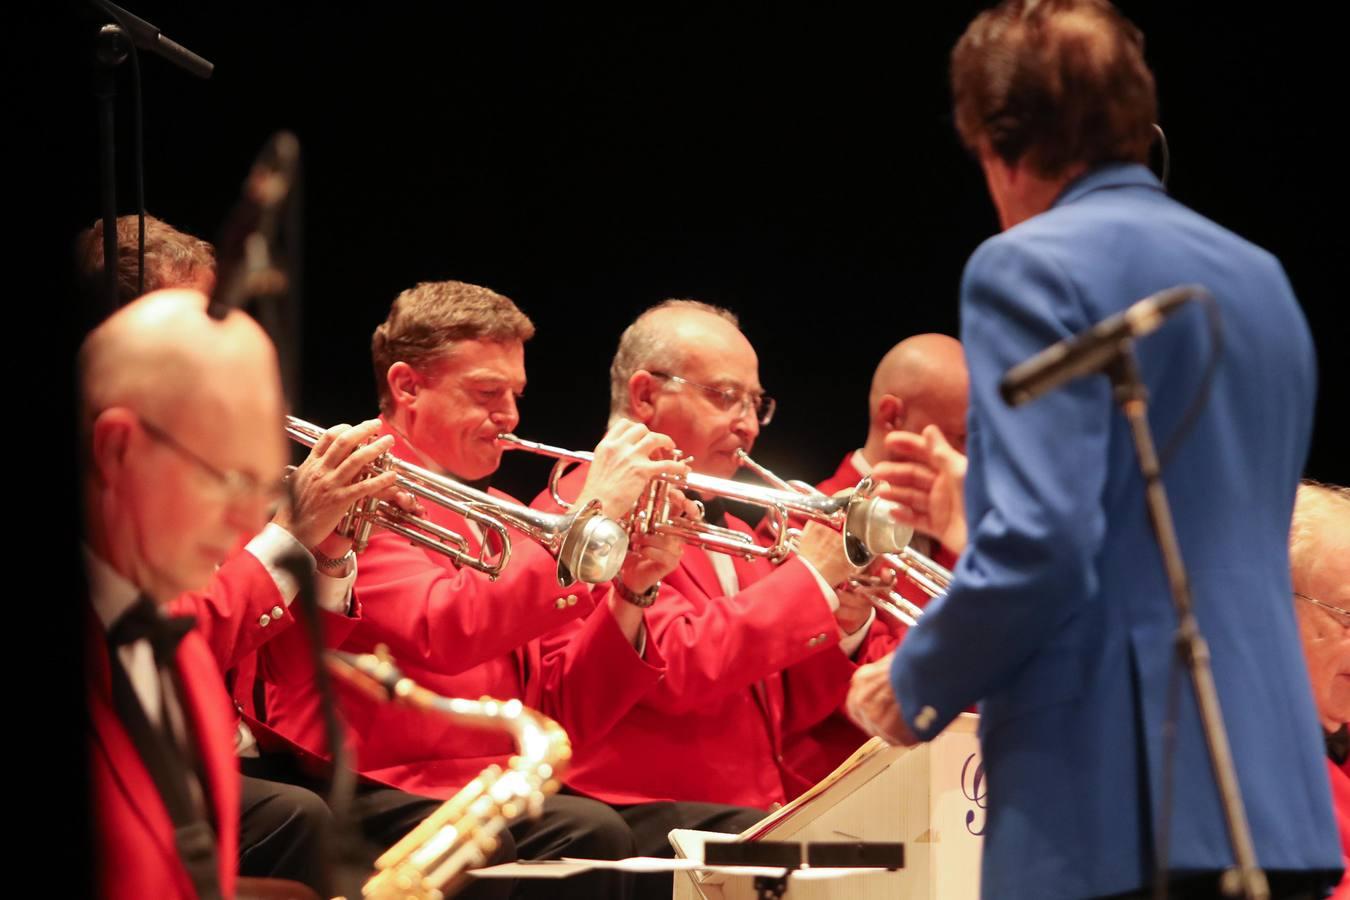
(918, 393)
(754, 652)
(449, 362)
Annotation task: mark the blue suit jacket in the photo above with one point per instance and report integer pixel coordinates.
(1059, 618)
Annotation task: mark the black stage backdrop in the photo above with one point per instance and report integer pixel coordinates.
(798, 167)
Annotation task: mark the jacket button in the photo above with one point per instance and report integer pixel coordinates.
(560, 603)
(264, 620)
(925, 718)
(277, 612)
(571, 599)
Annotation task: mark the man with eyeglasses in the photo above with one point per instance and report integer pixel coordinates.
(753, 651)
(244, 612)
(449, 362)
(1319, 557)
(164, 387)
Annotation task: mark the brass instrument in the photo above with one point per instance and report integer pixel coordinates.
(932, 578)
(431, 862)
(587, 545)
(864, 519)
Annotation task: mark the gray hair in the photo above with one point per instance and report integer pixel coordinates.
(1316, 507)
(646, 345)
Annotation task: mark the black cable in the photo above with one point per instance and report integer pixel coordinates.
(1163, 838)
(1197, 405)
(342, 789)
(138, 152)
(138, 148)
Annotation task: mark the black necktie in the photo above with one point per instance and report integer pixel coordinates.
(143, 620)
(158, 747)
(1338, 745)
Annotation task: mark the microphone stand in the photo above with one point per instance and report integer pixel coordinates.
(1247, 879)
(111, 47)
(110, 51)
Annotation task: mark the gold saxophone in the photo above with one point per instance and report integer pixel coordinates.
(432, 861)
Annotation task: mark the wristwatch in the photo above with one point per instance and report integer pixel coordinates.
(642, 600)
(334, 568)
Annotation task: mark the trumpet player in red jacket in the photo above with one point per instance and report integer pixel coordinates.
(449, 365)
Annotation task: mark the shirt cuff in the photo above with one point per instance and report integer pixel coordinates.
(826, 590)
(850, 643)
(335, 594)
(272, 544)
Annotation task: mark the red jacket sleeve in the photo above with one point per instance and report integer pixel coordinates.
(592, 675)
(289, 659)
(236, 612)
(449, 619)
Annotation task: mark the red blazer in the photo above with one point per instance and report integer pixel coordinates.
(461, 635)
(133, 834)
(742, 672)
(1340, 797)
(238, 611)
(817, 751)
(252, 633)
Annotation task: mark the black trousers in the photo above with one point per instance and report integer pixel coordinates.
(580, 827)
(286, 828)
(650, 825)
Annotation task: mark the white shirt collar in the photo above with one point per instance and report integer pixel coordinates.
(110, 593)
(860, 462)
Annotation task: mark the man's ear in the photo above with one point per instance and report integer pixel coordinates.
(642, 396)
(404, 383)
(110, 437)
(891, 412)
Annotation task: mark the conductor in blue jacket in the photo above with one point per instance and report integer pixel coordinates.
(1059, 621)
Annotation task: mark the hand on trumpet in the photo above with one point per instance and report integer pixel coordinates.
(872, 706)
(820, 546)
(329, 481)
(926, 476)
(650, 558)
(625, 462)
(853, 612)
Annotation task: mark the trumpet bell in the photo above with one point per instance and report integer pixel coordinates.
(870, 527)
(593, 549)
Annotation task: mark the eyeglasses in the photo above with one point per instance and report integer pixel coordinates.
(237, 487)
(728, 399)
(1342, 615)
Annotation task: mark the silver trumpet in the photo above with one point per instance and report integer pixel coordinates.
(932, 578)
(587, 545)
(864, 519)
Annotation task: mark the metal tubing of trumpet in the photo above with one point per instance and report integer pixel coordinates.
(587, 545)
(650, 520)
(932, 578)
(826, 509)
(897, 606)
(941, 574)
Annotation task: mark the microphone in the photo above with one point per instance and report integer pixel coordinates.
(246, 265)
(1091, 350)
(149, 37)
